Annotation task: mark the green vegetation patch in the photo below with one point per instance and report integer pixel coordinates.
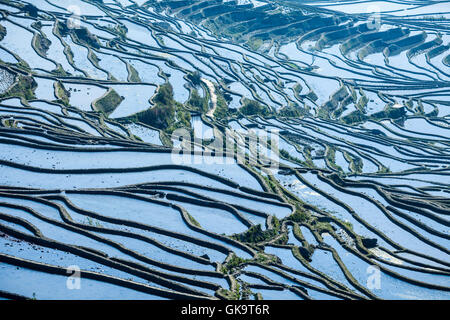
(197, 102)
(331, 159)
(24, 88)
(31, 10)
(391, 113)
(42, 44)
(61, 93)
(195, 78)
(355, 117)
(255, 233)
(253, 107)
(2, 32)
(84, 36)
(233, 263)
(194, 222)
(59, 71)
(292, 111)
(167, 114)
(255, 43)
(222, 111)
(109, 102)
(300, 215)
(133, 74)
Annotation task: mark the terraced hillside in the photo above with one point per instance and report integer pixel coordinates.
(336, 185)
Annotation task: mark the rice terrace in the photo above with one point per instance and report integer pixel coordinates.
(224, 149)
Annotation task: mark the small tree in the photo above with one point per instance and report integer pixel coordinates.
(195, 78)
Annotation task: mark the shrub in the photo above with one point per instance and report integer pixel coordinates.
(255, 234)
(233, 263)
(197, 102)
(195, 78)
(221, 112)
(164, 95)
(300, 215)
(85, 36)
(167, 114)
(252, 107)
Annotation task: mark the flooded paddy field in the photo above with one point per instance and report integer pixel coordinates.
(335, 180)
